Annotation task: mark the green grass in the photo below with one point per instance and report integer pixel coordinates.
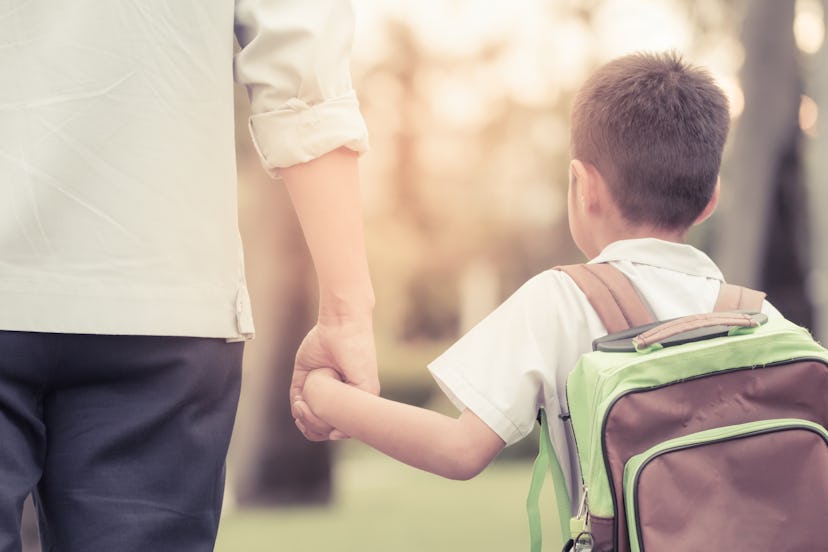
(382, 505)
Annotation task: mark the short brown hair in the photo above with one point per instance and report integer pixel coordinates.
(655, 128)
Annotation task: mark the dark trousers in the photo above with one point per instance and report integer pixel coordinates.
(121, 439)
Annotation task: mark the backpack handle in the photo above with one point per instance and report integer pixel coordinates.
(685, 329)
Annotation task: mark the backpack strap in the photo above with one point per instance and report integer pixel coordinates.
(611, 294)
(619, 307)
(546, 461)
(733, 297)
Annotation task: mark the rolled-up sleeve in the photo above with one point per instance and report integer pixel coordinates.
(294, 61)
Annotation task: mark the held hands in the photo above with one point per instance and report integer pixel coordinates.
(312, 426)
(349, 349)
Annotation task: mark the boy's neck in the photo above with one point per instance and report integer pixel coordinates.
(611, 233)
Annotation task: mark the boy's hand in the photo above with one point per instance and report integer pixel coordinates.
(346, 347)
(313, 427)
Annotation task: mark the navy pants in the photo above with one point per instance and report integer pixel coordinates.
(121, 439)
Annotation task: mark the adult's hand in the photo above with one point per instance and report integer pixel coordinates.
(347, 347)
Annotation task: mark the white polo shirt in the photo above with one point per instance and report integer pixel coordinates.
(117, 155)
(518, 358)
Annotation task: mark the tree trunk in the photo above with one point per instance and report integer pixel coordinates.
(761, 237)
(817, 173)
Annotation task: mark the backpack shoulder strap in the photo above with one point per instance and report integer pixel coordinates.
(733, 297)
(546, 461)
(611, 294)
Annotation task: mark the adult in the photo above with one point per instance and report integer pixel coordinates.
(123, 304)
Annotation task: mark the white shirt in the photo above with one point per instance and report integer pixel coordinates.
(117, 158)
(518, 358)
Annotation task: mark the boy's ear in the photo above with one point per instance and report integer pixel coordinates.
(711, 205)
(584, 178)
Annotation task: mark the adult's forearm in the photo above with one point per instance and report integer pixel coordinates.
(326, 196)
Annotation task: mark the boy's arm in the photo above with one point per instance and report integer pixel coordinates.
(456, 448)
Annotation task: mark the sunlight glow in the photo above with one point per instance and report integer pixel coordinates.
(808, 116)
(809, 25)
(652, 26)
(461, 99)
(733, 90)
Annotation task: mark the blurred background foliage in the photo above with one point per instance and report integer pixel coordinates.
(467, 104)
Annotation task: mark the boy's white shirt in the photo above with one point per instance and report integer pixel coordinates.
(518, 358)
(117, 153)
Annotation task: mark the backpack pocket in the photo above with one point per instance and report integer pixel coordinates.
(756, 486)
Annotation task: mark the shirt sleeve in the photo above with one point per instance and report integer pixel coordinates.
(517, 358)
(294, 61)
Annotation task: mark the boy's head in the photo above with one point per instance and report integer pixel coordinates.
(654, 128)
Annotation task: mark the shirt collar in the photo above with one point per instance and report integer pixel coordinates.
(680, 257)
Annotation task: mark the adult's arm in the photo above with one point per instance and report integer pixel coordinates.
(306, 125)
(325, 195)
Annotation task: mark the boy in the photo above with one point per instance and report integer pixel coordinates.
(646, 142)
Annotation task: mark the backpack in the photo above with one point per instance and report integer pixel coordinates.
(707, 432)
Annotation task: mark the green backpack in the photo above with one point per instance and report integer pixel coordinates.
(707, 432)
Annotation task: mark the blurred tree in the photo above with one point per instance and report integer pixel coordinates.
(762, 236)
(469, 180)
(817, 178)
(431, 313)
